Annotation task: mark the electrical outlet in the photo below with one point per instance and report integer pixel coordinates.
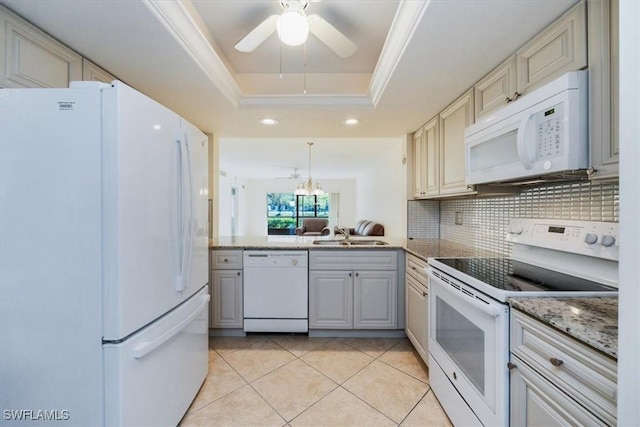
(458, 218)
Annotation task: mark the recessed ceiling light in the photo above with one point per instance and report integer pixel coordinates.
(269, 121)
(351, 122)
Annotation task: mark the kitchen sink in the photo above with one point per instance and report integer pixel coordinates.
(343, 242)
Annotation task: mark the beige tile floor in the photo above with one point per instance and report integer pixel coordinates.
(296, 381)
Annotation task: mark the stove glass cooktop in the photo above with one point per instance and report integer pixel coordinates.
(515, 276)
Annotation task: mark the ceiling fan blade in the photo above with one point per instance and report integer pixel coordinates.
(330, 36)
(258, 35)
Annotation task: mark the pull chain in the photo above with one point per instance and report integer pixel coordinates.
(280, 45)
(305, 79)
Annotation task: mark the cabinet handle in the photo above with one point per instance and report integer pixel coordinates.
(238, 273)
(413, 268)
(511, 365)
(357, 274)
(555, 362)
(515, 96)
(349, 274)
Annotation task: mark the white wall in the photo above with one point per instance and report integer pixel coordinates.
(381, 190)
(374, 186)
(256, 206)
(629, 301)
(226, 183)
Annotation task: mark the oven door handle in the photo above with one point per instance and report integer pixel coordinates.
(487, 308)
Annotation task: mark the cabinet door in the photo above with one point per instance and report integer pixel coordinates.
(431, 166)
(560, 48)
(91, 72)
(375, 300)
(603, 88)
(330, 300)
(419, 160)
(30, 58)
(453, 122)
(536, 402)
(226, 299)
(417, 316)
(497, 89)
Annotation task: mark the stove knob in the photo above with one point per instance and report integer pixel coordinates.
(590, 238)
(607, 240)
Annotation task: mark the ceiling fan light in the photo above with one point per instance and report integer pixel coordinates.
(293, 28)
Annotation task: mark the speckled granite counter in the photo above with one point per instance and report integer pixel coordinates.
(593, 321)
(422, 248)
(425, 248)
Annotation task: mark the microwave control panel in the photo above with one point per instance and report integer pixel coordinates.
(549, 129)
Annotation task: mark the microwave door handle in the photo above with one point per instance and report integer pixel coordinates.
(521, 140)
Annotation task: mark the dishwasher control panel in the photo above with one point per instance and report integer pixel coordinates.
(275, 258)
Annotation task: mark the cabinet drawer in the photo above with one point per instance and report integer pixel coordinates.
(353, 260)
(415, 267)
(226, 260)
(586, 375)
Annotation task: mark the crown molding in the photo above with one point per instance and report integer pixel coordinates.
(408, 16)
(197, 43)
(309, 102)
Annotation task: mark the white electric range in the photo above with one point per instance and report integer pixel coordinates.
(469, 312)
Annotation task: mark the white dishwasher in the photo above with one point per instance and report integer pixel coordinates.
(276, 289)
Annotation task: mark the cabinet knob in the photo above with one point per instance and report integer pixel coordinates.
(511, 365)
(238, 273)
(349, 274)
(555, 362)
(424, 294)
(225, 260)
(357, 274)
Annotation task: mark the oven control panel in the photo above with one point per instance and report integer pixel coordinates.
(598, 239)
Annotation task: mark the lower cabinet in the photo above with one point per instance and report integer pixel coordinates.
(536, 402)
(417, 306)
(344, 298)
(226, 297)
(226, 289)
(557, 380)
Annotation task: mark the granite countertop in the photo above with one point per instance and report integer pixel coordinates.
(422, 248)
(594, 321)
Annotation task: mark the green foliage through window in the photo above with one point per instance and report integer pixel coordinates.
(286, 211)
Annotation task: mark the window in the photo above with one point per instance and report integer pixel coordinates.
(286, 211)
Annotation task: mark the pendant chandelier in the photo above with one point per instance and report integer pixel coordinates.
(307, 188)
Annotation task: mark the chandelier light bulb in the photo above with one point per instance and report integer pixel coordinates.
(293, 28)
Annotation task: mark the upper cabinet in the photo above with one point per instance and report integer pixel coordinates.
(497, 89)
(559, 48)
(453, 121)
(30, 58)
(91, 72)
(603, 88)
(425, 160)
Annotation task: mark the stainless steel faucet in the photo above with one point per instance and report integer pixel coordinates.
(344, 231)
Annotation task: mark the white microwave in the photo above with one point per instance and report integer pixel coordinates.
(544, 132)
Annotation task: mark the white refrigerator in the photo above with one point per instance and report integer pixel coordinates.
(103, 258)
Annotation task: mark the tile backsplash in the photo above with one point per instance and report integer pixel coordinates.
(484, 220)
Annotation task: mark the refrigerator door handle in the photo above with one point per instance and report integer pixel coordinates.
(186, 214)
(189, 220)
(181, 213)
(147, 347)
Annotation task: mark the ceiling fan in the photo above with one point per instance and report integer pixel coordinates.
(293, 26)
(294, 175)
